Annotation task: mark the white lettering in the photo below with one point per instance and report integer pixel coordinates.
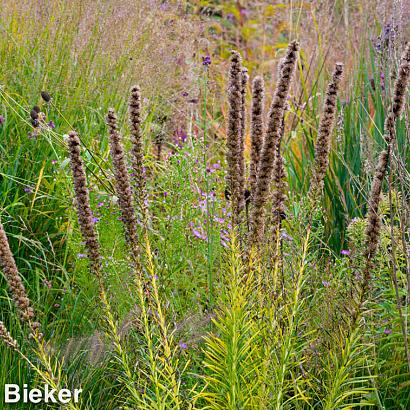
(11, 393)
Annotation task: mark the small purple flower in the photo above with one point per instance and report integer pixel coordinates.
(165, 194)
(183, 345)
(81, 255)
(199, 234)
(100, 204)
(51, 124)
(387, 331)
(206, 60)
(54, 161)
(95, 219)
(325, 283)
(184, 94)
(2, 119)
(345, 252)
(28, 189)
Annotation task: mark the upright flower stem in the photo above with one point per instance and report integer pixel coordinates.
(209, 212)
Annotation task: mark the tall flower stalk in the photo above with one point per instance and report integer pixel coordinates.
(16, 286)
(256, 130)
(137, 151)
(373, 219)
(234, 144)
(272, 138)
(82, 200)
(323, 142)
(123, 186)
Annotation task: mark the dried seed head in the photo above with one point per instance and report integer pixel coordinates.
(34, 114)
(134, 109)
(82, 197)
(6, 337)
(46, 96)
(323, 142)
(256, 130)
(123, 186)
(12, 275)
(400, 86)
(234, 151)
(272, 138)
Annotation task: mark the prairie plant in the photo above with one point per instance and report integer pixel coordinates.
(123, 186)
(234, 153)
(138, 175)
(257, 130)
(326, 125)
(270, 145)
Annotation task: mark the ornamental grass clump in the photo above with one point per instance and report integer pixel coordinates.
(323, 142)
(270, 145)
(258, 95)
(123, 186)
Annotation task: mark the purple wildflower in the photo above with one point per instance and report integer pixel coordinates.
(206, 61)
(2, 119)
(95, 219)
(325, 283)
(28, 189)
(198, 234)
(100, 204)
(51, 124)
(387, 331)
(345, 252)
(81, 255)
(183, 345)
(54, 161)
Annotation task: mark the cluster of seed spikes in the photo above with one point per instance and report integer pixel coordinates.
(265, 147)
(16, 286)
(123, 185)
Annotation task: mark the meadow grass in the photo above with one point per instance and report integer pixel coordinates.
(191, 314)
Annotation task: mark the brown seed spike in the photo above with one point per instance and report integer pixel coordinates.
(82, 199)
(234, 136)
(256, 130)
(134, 109)
(12, 275)
(272, 138)
(323, 142)
(123, 186)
